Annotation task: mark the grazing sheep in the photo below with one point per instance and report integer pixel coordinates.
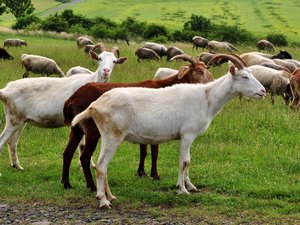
(255, 59)
(216, 46)
(200, 42)
(231, 46)
(146, 53)
(276, 82)
(282, 54)
(265, 45)
(158, 48)
(296, 62)
(180, 112)
(5, 55)
(173, 51)
(76, 70)
(289, 65)
(207, 56)
(14, 43)
(275, 66)
(83, 41)
(295, 87)
(80, 100)
(40, 64)
(40, 101)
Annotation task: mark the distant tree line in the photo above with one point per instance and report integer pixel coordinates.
(105, 28)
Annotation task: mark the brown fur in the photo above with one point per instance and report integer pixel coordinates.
(88, 93)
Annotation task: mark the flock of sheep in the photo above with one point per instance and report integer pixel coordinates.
(92, 106)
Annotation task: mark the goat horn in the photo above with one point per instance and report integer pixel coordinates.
(232, 58)
(237, 56)
(116, 51)
(185, 57)
(102, 47)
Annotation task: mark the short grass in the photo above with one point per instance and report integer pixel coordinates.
(259, 17)
(246, 165)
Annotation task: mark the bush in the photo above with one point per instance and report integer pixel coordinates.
(277, 39)
(154, 30)
(25, 21)
(55, 23)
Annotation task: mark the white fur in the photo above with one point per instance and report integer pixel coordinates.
(40, 101)
(164, 72)
(153, 116)
(76, 70)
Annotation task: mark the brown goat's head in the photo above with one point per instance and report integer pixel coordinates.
(197, 69)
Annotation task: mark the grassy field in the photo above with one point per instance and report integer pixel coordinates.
(246, 165)
(259, 17)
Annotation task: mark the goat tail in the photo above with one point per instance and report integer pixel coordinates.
(86, 114)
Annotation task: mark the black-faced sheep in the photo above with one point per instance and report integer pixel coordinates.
(5, 55)
(40, 65)
(14, 43)
(265, 45)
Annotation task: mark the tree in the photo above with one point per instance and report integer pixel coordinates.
(19, 8)
(2, 7)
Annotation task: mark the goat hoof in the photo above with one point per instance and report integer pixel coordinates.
(18, 167)
(141, 173)
(67, 186)
(155, 177)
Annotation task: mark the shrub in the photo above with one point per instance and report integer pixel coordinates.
(55, 23)
(277, 39)
(154, 30)
(25, 21)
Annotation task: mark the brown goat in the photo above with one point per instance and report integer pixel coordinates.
(81, 99)
(295, 87)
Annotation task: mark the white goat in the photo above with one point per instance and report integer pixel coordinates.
(148, 116)
(40, 101)
(40, 64)
(76, 70)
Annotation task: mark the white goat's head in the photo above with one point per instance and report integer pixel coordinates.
(107, 60)
(243, 81)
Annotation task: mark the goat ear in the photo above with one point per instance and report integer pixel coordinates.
(121, 60)
(182, 71)
(94, 55)
(232, 70)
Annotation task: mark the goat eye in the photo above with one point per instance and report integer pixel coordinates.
(245, 77)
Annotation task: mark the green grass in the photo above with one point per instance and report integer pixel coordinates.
(259, 17)
(246, 165)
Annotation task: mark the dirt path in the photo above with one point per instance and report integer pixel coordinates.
(61, 7)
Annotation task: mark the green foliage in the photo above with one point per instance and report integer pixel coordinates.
(19, 8)
(25, 21)
(154, 30)
(277, 39)
(55, 23)
(2, 7)
(199, 24)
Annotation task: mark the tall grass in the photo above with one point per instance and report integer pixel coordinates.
(247, 162)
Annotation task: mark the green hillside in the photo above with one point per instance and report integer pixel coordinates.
(260, 17)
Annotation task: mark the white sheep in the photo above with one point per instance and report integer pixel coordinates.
(83, 41)
(217, 46)
(164, 72)
(76, 70)
(148, 116)
(40, 101)
(40, 64)
(276, 82)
